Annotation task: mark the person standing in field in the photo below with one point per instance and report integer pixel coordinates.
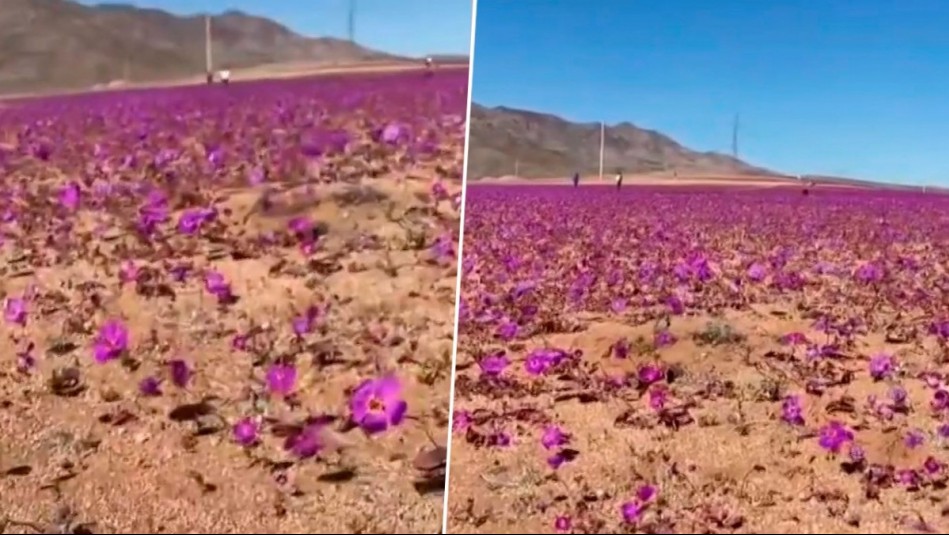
(619, 180)
(576, 179)
(225, 76)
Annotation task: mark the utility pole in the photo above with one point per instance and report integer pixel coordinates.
(735, 138)
(602, 143)
(352, 21)
(208, 58)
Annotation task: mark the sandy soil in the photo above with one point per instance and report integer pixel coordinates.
(738, 469)
(263, 72)
(89, 449)
(649, 180)
(581, 392)
(118, 461)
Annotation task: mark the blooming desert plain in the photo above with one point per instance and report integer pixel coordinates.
(230, 308)
(702, 360)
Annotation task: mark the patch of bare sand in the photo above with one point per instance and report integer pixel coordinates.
(645, 180)
(737, 468)
(277, 71)
(115, 459)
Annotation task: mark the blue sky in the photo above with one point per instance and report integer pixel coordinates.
(409, 27)
(847, 87)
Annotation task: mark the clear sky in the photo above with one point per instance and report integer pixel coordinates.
(407, 27)
(845, 87)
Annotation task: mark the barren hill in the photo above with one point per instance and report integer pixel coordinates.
(60, 44)
(544, 146)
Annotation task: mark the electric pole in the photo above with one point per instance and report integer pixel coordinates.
(352, 21)
(602, 144)
(735, 138)
(208, 58)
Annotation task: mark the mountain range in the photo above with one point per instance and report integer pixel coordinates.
(61, 44)
(541, 145)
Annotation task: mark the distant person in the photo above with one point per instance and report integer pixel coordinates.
(210, 77)
(576, 179)
(429, 66)
(619, 180)
(225, 76)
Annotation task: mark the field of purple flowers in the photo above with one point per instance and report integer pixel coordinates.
(229, 309)
(702, 360)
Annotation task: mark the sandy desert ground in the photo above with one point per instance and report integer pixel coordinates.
(653, 179)
(705, 360)
(205, 312)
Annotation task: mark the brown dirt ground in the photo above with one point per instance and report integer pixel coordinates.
(274, 71)
(739, 463)
(151, 475)
(651, 180)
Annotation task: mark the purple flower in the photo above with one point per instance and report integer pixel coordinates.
(305, 322)
(239, 342)
(757, 272)
(932, 466)
(150, 386)
(301, 227)
(461, 421)
(179, 272)
(856, 453)
(940, 400)
(246, 432)
(307, 443)
(507, 330)
(649, 374)
(191, 221)
(69, 196)
(499, 439)
(619, 305)
(646, 493)
(392, 133)
(881, 367)
(112, 341)
(281, 379)
(538, 362)
(664, 338)
(257, 176)
(675, 305)
(377, 404)
(914, 439)
(25, 361)
(14, 311)
(438, 190)
(834, 435)
(128, 272)
(631, 512)
(794, 339)
(554, 437)
(217, 285)
(562, 523)
(658, 398)
(493, 364)
(180, 372)
(791, 410)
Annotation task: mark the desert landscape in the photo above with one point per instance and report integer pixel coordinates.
(230, 308)
(701, 358)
